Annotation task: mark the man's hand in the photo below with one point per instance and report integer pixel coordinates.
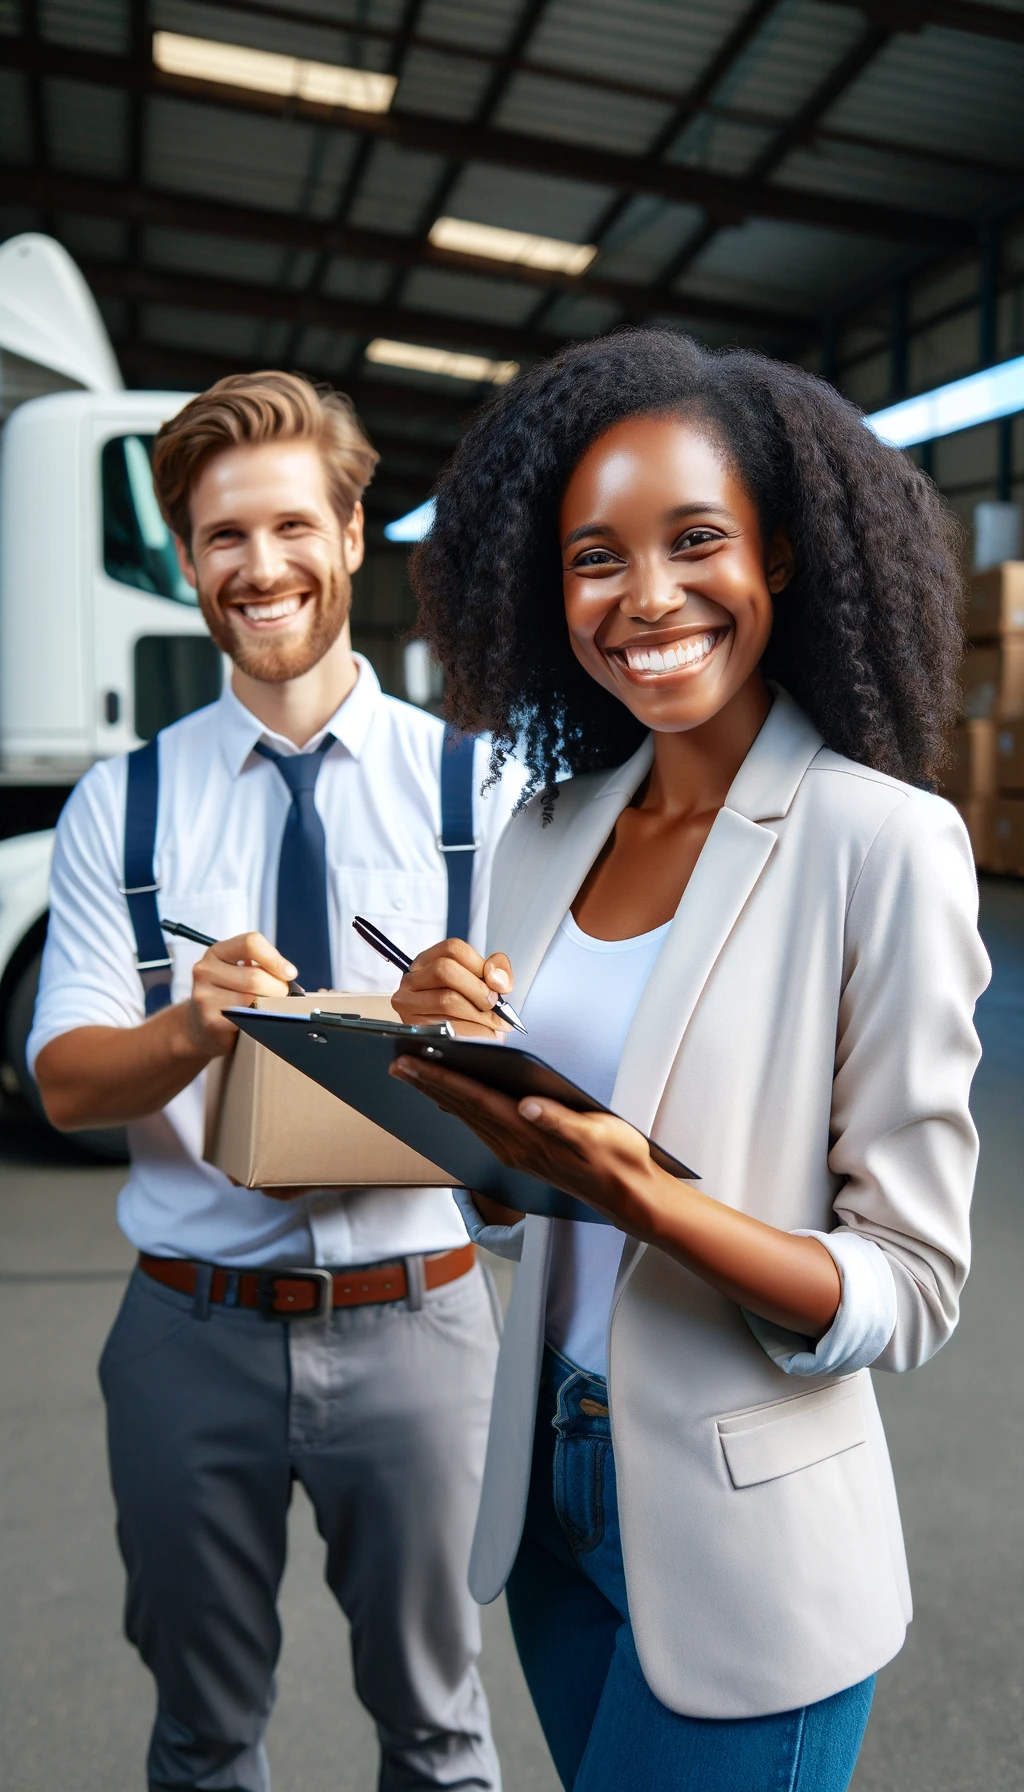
(452, 982)
(106, 1076)
(228, 975)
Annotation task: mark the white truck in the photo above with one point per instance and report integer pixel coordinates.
(101, 643)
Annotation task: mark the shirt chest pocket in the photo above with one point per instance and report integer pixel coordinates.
(220, 913)
(410, 907)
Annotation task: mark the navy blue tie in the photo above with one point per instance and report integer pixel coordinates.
(303, 928)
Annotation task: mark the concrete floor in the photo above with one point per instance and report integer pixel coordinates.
(75, 1705)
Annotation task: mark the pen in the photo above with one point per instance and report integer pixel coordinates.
(203, 939)
(402, 962)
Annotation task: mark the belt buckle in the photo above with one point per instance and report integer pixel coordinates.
(269, 1279)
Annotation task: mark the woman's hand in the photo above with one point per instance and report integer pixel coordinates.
(452, 982)
(789, 1280)
(602, 1160)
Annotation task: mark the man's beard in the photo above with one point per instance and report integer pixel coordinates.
(274, 663)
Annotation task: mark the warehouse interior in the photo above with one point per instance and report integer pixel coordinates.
(411, 200)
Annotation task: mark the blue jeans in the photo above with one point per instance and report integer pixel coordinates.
(567, 1599)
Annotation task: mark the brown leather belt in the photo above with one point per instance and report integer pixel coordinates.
(298, 1293)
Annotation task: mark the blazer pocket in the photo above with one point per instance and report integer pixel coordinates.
(768, 1441)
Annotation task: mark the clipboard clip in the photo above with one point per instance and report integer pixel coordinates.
(436, 1030)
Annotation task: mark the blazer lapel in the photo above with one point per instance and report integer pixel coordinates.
(735, 854)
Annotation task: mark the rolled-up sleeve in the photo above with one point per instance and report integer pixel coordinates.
(88, 975)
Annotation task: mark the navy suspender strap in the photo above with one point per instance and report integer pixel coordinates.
(457, 840)
(140, 886)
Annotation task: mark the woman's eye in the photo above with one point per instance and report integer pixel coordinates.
(696, 538)
(596, 557)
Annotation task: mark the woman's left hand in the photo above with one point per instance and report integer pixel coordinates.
(790, 1280)
(597, 1157)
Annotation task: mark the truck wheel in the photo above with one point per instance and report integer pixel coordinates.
(108, 1143)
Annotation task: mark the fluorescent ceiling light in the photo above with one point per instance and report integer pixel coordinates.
(233, 65)
(963, 404)
(414, 525)
(512, 245)
(440, 360)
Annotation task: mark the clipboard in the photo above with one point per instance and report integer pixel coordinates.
(350, 1057)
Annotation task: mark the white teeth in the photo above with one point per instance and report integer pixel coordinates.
(284, 606)
(672, 657)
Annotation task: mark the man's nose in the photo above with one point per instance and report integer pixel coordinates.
(264, 560)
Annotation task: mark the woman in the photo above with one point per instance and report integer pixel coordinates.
(697, 584)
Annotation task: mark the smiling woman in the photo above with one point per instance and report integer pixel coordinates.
(867, 638)
(700, 586)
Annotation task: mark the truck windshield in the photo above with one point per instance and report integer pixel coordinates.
(138, 548)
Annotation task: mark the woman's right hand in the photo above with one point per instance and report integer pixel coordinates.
(450, 981)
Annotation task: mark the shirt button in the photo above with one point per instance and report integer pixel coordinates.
(399, 902)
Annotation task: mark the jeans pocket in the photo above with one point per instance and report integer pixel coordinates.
(579, 1490)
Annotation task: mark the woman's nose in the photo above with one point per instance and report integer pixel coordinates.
(654, 591)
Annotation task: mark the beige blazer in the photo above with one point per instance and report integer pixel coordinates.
(806, 1042)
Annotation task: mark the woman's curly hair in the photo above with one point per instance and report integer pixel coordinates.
(866, 636)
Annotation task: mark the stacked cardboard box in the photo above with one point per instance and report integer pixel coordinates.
(986, 776)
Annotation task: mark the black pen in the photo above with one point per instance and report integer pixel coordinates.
(402, 962)
(203, 939)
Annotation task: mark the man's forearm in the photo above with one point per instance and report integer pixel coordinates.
(105, 1076)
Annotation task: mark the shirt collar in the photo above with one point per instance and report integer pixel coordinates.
(350, 723)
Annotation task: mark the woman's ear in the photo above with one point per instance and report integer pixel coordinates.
(780, 563)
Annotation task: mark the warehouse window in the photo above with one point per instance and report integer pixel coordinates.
(138, 548)
(174, 674)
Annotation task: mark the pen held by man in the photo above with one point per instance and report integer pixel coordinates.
(109, 1076)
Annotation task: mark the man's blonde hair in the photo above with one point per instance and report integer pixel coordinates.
(255, 408)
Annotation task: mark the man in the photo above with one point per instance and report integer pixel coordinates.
(303, 796)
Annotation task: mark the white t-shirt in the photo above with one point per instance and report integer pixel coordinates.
(578, 1013)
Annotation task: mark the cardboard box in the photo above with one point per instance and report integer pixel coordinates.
(270, 1127)
(972, 767)
(1010, 759)
(996, 604)
(992, 681)
(1008, 835)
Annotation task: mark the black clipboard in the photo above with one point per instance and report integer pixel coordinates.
(350, 1057)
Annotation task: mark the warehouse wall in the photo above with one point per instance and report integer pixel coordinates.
(945, 321)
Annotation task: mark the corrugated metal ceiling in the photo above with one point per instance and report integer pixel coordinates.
(587, 120)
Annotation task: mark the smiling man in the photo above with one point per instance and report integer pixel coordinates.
(303, 796)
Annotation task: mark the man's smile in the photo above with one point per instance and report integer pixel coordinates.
(259, 612)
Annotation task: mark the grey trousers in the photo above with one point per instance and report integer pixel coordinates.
(381, 1412)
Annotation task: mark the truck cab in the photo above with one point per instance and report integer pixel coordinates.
(101, 640)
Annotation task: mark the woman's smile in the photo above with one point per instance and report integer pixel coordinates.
(682, 654)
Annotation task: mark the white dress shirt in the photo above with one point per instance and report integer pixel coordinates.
(221, 818)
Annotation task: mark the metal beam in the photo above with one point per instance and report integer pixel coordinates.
(691, 107)
(725, 198)
(241, 298)
(954, 15)
(137, 205)
(787, 137)
(192, 370)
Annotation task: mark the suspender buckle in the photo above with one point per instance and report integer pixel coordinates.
(138, 889)
(464, 846)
